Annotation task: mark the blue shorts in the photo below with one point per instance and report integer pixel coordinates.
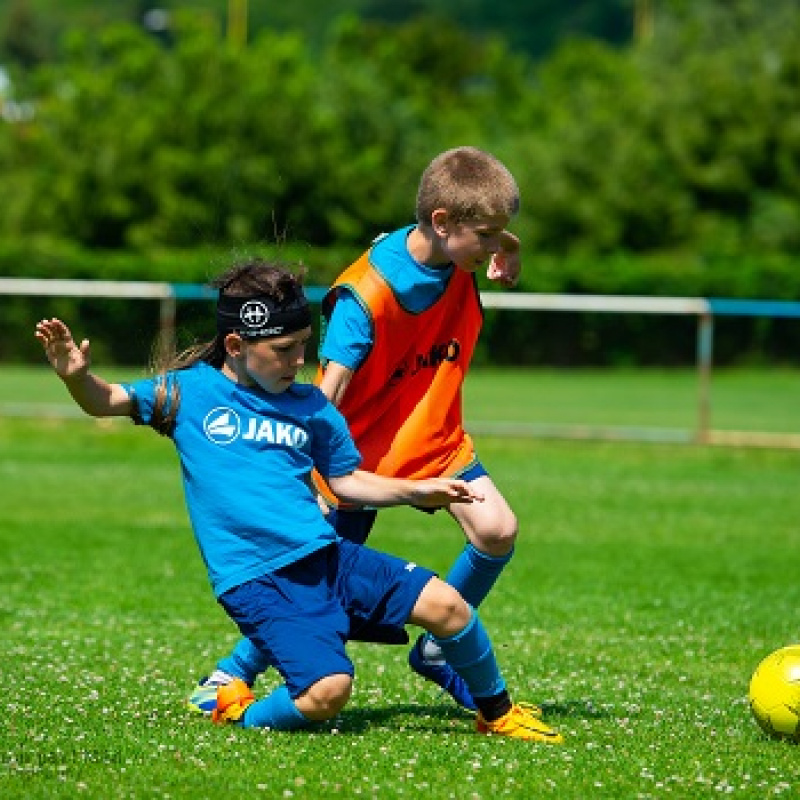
(356, 525)
(301, 616)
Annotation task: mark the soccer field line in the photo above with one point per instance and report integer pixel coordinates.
(620, 433)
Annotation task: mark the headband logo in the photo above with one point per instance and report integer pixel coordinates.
(254, 314)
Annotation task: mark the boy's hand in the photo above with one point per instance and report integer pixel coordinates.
(505, 265)
(66, 358)
(438, 492)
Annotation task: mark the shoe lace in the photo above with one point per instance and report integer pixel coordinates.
(528, 709)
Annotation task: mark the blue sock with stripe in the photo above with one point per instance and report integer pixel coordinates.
(276, 711)
(471, 655)
(246, 661)
(474, 573)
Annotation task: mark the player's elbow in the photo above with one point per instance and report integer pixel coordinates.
(346, 487)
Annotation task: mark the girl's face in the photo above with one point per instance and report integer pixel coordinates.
(470, 245)
(271, 363)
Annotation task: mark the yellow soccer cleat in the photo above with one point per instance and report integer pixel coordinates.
(521, 722)
(232, 700)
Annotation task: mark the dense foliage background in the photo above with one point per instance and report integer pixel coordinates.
(666, 162)
(33, 27)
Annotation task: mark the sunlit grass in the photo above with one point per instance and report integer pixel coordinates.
(648, 582)
(739, 399)
(766, 399)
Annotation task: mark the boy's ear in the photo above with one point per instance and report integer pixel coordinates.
(233, 345)
(439, 220)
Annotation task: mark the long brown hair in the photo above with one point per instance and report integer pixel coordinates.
(248, 278)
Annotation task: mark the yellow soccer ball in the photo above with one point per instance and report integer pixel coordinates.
(775, 693)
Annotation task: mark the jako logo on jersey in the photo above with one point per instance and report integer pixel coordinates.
(223, 426)
(449, 351)
(400, 371)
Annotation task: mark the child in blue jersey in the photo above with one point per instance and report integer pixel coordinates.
(248, 436)
(465, 200)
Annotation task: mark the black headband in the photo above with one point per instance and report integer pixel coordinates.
(261, 316)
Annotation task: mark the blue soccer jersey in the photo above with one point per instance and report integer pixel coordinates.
(256, 450)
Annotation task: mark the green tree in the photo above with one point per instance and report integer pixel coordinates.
(687, 142)
(394, 97)
(595, 178)
(22, 40)
(135, 146)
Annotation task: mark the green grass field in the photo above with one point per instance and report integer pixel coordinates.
(765, 400)
(648, 582)
(624, 403)
(740, 399)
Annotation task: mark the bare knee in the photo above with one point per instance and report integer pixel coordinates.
(497, 539)
(325, 698)
(440, 609)
(491, 526)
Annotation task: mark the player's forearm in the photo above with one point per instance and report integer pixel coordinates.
(96, 396)
(366, 488)
(334, 383)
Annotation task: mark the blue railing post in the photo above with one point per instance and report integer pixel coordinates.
(705, 357)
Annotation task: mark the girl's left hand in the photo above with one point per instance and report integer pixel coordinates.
(65, 356)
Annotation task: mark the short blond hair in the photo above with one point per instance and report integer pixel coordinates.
(468, 183)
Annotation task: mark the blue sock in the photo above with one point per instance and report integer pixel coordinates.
(471, 655)
(474, 573)
(276, 711)
(246, 661)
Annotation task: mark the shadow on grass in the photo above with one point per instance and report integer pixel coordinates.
(414, 718)
(410, 717)
(425, 718)
(577, 709)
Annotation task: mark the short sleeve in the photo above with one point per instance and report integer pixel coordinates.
(143, 393)
(348, 335)
(334, 452)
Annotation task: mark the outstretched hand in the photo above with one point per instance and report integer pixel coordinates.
(438, 492)
(504, 268)
(66, 357)
(506, 264)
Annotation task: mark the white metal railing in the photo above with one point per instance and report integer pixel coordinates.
(704, 309)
